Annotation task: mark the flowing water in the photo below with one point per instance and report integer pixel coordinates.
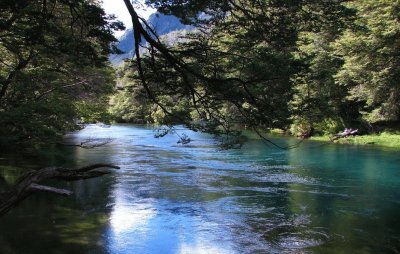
(194, 198)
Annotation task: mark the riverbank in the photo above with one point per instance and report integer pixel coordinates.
(384, 139)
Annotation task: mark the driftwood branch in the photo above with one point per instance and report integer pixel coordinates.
(37, 187)
(91, 143)
(345, 133)
(30, 183)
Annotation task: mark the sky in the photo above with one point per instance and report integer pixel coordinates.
(118, 8)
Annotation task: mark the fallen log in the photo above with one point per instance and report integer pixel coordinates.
(345, 133)
(90, 143)
(30, 183)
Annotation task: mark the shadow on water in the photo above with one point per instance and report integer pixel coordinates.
(169, 198)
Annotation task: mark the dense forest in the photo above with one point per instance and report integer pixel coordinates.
(54, 68)
(307, 67)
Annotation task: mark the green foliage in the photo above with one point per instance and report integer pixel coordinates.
(125, 108)
(371, 61)
(30, 122)
(300, 127)
(303, 127)
(93, 111)
(175, 108)
(237, 72)
(319, 101)
(329, 126)
(133, 104)
(53, 67)
(351, 70)
(315, 66)
(311, 66)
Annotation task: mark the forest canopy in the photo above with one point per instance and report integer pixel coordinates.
(53, 67)
(301, 66)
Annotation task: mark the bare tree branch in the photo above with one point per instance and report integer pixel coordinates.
(29, 183)
(37, 187)
(83, 82)
(90, 143)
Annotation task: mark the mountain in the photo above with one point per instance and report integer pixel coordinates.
(162, 24)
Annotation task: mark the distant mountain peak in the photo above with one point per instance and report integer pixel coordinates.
(160, 23)
(164, 24)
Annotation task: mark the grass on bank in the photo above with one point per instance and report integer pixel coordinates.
(385, 139)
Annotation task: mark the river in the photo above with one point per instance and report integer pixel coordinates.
(195, 198)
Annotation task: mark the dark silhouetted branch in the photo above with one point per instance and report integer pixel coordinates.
(30, 183)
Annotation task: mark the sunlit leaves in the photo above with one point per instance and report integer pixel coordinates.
(53, 65)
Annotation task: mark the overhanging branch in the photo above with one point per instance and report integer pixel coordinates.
(30, 183)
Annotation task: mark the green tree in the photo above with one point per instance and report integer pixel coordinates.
(53, 55)
(370, 51)
(320, 104)
(242, 58)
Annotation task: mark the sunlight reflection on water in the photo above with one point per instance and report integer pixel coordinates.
(170, 198)
(124, 218)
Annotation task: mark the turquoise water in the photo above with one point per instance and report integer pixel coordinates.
(172, 198)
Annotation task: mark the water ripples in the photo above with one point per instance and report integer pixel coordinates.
(194, 199)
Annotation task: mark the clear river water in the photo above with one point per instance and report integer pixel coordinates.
(195, 198)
